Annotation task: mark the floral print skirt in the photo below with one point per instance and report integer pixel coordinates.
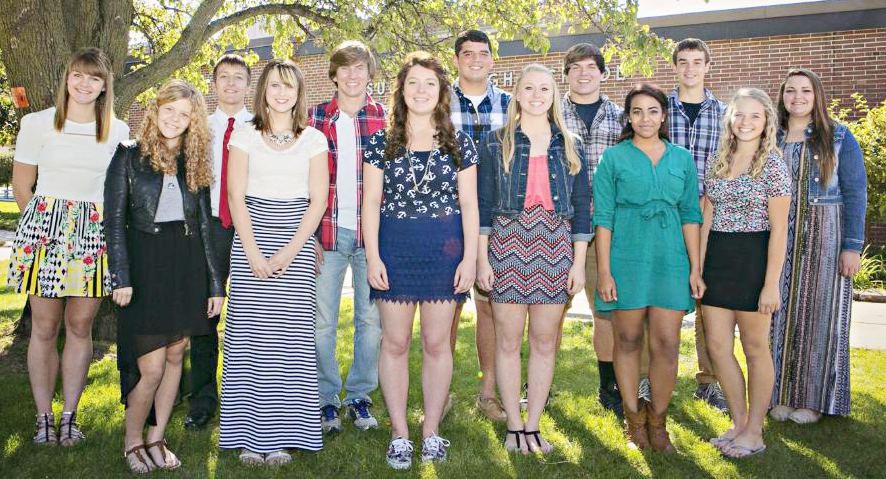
(59, 250)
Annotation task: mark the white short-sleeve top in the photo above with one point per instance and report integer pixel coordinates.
(278, 174)
(71, 165)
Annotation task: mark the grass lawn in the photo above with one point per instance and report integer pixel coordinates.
(589, 442)
(9, 215)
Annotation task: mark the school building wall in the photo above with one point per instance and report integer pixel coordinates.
(844, 42)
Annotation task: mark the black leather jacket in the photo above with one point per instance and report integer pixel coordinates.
(132, 190)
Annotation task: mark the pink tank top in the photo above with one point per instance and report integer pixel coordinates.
(538, 187)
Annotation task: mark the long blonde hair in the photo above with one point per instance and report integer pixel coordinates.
(196, 140)
(729, 143)
(506, 134)
(92, 62)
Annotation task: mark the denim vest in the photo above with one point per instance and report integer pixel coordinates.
(847, 185)
(503, 193)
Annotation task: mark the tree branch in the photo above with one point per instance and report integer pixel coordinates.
(200, 29)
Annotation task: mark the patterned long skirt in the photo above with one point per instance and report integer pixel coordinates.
(810, 333)
(59, 250)
(531, 255)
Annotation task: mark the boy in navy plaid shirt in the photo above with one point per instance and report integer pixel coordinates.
(478, 108)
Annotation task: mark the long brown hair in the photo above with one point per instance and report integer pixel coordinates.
(506, 134)
(290, 75)
(195, 140)
(821, 141)
(397, 135)
(90, 61)
(729, 143)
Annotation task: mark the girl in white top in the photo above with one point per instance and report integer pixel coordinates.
(59, 249)
(278, 183)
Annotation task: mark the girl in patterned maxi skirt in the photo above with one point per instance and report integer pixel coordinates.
(535, 228)
(810, 333)
(58, 255)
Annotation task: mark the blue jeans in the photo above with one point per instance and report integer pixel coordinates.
(363, 373)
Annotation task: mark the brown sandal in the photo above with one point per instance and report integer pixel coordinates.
(161, 444)
(138, 460)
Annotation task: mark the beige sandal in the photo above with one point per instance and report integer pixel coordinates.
(138, 460)
(166, 454)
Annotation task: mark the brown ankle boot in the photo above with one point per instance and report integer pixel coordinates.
(657, 430)
(635, 427)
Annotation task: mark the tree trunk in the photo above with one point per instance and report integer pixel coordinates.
(38, 36)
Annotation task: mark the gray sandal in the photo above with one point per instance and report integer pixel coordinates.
(45, 433)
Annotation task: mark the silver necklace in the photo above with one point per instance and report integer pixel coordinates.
(282, 138)
(427, 166)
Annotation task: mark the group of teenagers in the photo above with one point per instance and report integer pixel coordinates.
(753, 210)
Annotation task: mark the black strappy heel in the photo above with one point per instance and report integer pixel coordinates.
(516, 434)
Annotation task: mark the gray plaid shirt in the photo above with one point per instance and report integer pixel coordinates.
(604, 132)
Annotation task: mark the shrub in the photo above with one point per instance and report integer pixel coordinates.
(870, 131)
(6, 167)
(872, 273)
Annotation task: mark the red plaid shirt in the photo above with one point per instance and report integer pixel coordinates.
(370, 119)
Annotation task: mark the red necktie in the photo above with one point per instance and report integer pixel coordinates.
(224, 214)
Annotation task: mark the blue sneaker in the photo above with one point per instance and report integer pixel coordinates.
(359, 412)
(329, 421)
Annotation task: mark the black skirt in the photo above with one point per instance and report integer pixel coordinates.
(735, 269)
(169, 292)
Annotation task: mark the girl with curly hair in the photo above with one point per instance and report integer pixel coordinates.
(58, 255)
(743, 240)
(420, 226)
(164, 278)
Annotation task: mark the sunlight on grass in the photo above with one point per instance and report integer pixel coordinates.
(13, 442)
(826, 464)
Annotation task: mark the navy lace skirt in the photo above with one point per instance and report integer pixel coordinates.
(420, 256)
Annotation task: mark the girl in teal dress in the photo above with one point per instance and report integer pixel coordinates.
(647, 217)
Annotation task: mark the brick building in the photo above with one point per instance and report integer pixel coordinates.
(844, 41)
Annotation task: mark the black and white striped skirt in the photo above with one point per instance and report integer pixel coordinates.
(270, 397)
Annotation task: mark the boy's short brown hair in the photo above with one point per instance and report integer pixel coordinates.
(349, 53)
(692, 44)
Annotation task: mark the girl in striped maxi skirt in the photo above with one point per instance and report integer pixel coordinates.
(277, 189)
(535, 226)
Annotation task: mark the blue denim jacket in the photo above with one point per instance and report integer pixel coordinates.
(503, 193)
(847, 185)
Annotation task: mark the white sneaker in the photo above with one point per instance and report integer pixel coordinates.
(399, 454)
(433, 449)
(780, 413)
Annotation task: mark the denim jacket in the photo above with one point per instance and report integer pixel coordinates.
(847, 185)
(503, 193)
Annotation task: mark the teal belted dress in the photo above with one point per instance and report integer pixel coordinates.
(645, 207)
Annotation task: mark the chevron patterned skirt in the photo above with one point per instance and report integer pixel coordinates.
(531, 254)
